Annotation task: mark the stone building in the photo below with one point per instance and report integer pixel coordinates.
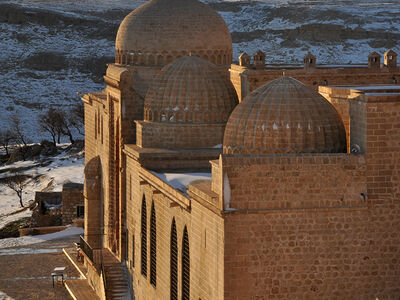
(59, 208)
(289, 194)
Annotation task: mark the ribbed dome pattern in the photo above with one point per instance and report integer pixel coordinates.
(284, 116)
(162, 30)
(190, 90)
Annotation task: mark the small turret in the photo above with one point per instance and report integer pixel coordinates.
(374, 60)
(259, 59)
(390, 59)
(244, 60)
(310, 61)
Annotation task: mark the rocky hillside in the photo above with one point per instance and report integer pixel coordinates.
(52, 50)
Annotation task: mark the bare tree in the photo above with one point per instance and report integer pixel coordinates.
(17, 130)
(66, 126)
(76, 118)
(17, 183)
(5, 139)
(52, 122)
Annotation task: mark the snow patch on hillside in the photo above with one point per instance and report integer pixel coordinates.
(48, 174)
(265, 26)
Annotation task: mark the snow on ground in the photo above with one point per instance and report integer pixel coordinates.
(29, 92)
(181, 180)
(34, 239)
(48, 173)
(4, 296)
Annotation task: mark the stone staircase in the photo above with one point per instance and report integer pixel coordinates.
(116, 278)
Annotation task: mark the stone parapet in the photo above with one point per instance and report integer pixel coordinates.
(178, 136)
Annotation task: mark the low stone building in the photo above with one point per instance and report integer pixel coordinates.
(59, 208)
(289, 194)
(72, 202)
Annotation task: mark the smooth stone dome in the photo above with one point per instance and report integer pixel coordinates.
(162, 30)
(190, 90)
(284, 116)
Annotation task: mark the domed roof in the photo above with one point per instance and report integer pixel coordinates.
(284, 116)
(190, 90)
(162, 30)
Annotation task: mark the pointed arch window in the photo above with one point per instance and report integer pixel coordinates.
(144, 238)
(185, 266)
(174, 262)
(153, 247)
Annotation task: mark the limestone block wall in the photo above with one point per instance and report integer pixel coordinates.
(97, 144)
(339, 98)
(72, 196)
(178, 136)
(376, 128)
(293, 181)
(128, 85)
(334, 253)
(164, 159)
(51, 197)
(95, 279)
(205, 231)
(251, 79)
(39, 216)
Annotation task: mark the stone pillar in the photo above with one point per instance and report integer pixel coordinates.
(93, 203)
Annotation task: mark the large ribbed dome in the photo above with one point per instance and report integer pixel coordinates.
(162, 30)
(190, 90)
(284, 116)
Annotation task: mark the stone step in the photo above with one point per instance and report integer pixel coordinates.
(120, 287)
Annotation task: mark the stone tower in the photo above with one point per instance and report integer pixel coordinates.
(309, 61)
(390, 59)
(259, 59)
(374, 60)
(244, 59)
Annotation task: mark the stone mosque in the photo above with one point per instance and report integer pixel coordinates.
(206, 179)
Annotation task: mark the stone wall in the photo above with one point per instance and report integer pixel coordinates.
(335, 253)
(163, 159)
(72, 196)
(326, 249)
(376, 125)
(339, 98)
(97, 144)
(293, 181)
(43, 218)
(251, 79)
(95, 279)
(179, 136)
(205, 230)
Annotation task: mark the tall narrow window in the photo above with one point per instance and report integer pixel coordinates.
(95, 125)
(130, 186)
(98, 120)
(101, 128)
(127, 246)
(133, 252)
(153, 247)
(174, 262)
(144, 239)
(185, 266)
